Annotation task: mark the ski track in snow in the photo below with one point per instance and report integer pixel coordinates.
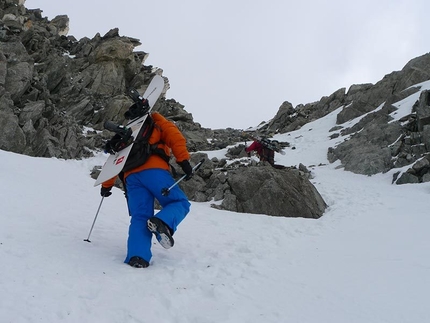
(366, 260)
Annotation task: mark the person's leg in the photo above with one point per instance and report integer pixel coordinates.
(271, 159)
(175, 206)
(141, 208)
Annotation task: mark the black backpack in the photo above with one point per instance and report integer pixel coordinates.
(141, 150)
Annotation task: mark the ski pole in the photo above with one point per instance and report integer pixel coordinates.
(91, 230)
(166, 191)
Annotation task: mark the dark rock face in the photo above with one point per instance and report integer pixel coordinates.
(290, 119)
(52, 85)
(275, 192)
(376, 143)
(257, 188)
(368, 152)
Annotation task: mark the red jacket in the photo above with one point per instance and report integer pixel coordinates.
(258, 147)
(264, 153)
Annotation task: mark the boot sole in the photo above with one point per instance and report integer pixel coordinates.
(163, 237)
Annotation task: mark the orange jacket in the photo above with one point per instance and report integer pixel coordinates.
(171, 140)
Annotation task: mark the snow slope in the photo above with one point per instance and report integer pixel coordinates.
(366, 260)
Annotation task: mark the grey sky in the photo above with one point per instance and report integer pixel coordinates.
(233, 63)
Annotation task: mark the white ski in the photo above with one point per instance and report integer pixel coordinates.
(115, 163)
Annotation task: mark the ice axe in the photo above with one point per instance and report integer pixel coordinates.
(166, 191)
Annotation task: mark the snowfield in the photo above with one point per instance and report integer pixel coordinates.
(366, 260)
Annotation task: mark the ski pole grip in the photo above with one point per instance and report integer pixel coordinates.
(166, 191)
(199, 164)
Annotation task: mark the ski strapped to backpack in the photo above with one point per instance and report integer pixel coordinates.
(120, 146)
(142, 149)
(270, 144)
(123, 134)
(274, 145)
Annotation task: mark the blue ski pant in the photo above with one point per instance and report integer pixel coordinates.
(142, 188)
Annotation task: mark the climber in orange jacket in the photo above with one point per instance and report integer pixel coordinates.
(145, 176)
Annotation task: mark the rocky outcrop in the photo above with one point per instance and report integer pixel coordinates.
(418, 173)
(375, 143)
(267, 190)
(365, 98)
(250, 187)
(378, 144)
(290, 119)
(53, 86)
(50, 87)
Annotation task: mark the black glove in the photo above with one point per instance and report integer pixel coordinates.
(108, 148)
(105, 191)
(186, 167)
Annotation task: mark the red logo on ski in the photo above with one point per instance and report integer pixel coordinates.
(119, 160)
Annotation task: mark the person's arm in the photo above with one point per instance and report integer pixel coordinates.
(252, 147)
(172, 137)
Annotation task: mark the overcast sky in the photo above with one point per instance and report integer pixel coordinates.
(233, 62)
